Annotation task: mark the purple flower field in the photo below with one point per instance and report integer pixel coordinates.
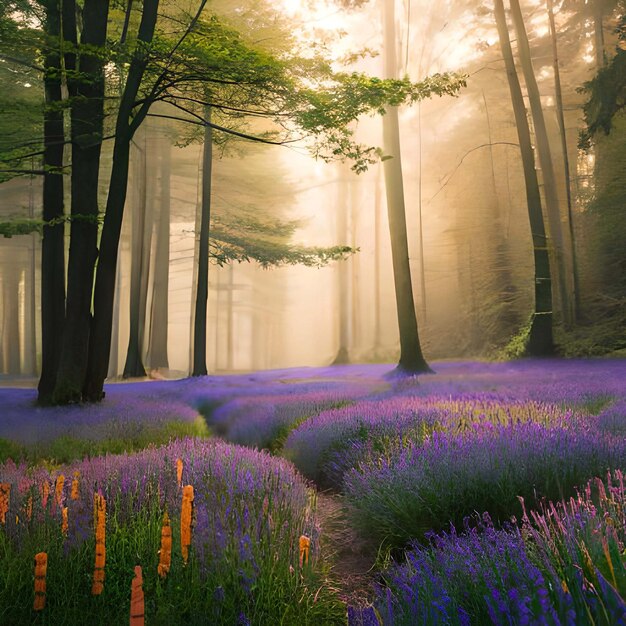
(467, 479)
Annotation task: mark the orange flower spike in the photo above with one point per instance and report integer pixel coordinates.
(64, 525)
(100, 523)
(58, 489)
(305, 544)
(5, 494)
(75, 494)
(41, 568)
(137, 606)
(29, 508)
(45, 492)
(179, 472)
(165, 554)
(185, 521)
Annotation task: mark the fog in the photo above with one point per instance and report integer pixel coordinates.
(469, 239)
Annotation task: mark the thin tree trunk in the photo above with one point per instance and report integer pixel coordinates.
(52, 247)
(87, 117)
(421, 221)
(377, 246)
(133, 366)
(157, 353)
(10, 335)
(540, 339)
(411, 358)
(342, 357)
(104, 292)
(566, 165)
(561, 271)
(598, 34)
(202, 287)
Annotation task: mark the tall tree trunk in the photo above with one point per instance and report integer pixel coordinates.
(10, 335)
(598, 33)
(157, 351)
(341, 215)
(377, 246)
(561, 271)
(52, 247)
(141, 247)
(566, 165)
(355, 306)
(87, 117)
(202, 287)
(540, 340)
(104, 292)
(411, 358)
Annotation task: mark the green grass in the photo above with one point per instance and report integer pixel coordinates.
(66, 448)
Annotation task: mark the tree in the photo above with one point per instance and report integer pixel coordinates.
(411, 357)
(53, 245)
(540, 341)
(86, 85)
(294, 95)
(561, 257)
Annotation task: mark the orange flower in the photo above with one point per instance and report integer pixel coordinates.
(137, 609)
(58, 489)
(305, 544)
(64, 525)
(5, 494)
(45, 492)
(185, 521)
(100, 525)
(179, 472)
(75, 490)
(41, 567)
(165, 554)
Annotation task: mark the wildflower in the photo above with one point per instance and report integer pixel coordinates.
(41, 567)
(165, 553)
(75, 490)
(100, 526)
(305, 544)
(137, 608)
(64, 525)
(45, 492)
(58, 489)
(185, 521)
(179, 472)
(5, 493)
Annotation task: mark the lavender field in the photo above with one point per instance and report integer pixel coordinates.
(486, 493)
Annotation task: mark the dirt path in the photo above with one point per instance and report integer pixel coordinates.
(352, 557)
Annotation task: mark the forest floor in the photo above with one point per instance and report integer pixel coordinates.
(351, 557)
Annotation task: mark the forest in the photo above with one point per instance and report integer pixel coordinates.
(313, 311)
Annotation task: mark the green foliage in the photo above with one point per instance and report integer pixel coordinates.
(66, 448)
(607, 90)
(517, 347)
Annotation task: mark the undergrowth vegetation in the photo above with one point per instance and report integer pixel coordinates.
(492, 493)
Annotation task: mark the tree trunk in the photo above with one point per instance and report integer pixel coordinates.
(540, 341)
(566, 165)
(598, 34)
(52, 247)
(561, 270)
(104, 292)
(342, 357)
(377, 246)
(157, 352)
(10, 335)
(202, 287)
(87, 117)
(140, 262)
(411, 358)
